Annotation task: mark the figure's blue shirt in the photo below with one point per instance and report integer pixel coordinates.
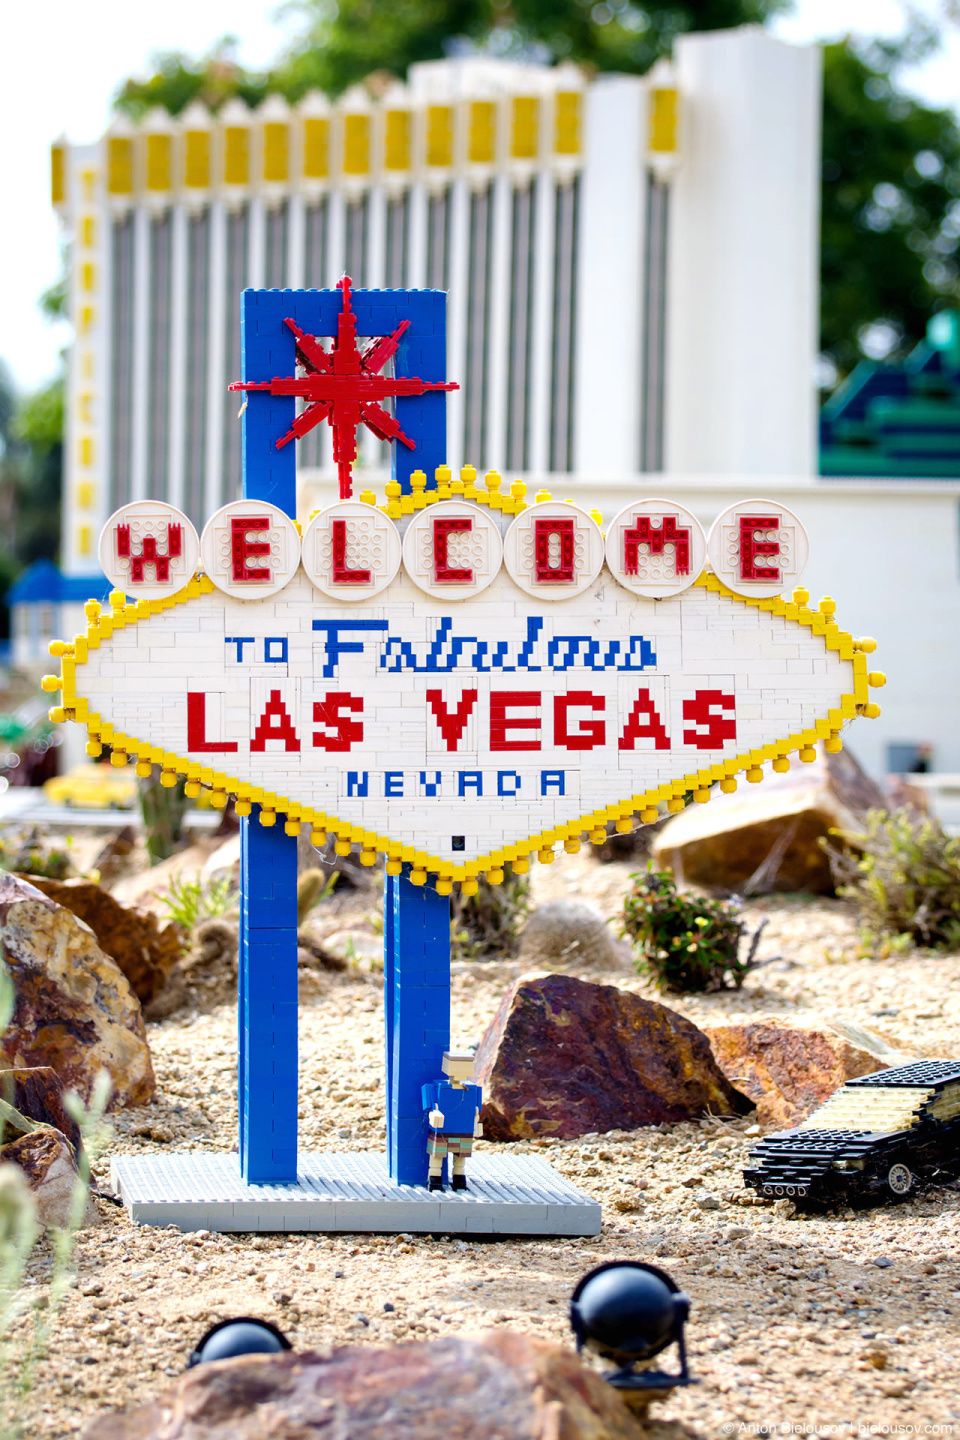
(458, 1106)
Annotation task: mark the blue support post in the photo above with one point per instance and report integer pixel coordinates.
(416, 977)
(267, 1008)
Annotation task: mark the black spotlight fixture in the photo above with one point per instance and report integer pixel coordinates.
(241, 1336)
(628, 1312)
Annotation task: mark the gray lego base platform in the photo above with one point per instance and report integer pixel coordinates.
(506, 1195)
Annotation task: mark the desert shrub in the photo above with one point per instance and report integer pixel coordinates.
(903, 873)
(489, 923)
(685, 943)
(188, 902)
(36, 853)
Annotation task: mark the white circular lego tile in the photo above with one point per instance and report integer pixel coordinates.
(250, 549)
(452, 550)
(148, 549)
(655, 548)
(351, 551)
(553, 550)
(758, 547)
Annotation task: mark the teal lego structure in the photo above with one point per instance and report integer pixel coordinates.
(899, 421)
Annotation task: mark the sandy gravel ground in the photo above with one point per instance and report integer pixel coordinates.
(850, 1322)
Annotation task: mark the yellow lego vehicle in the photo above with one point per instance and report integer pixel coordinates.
(94, 787)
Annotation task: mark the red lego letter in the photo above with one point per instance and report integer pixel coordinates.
(643, 532)
(452, 722)
(442, 530)
(275, 724)
(591, 732)
(342, 574)
(544, 531)
(751, 547)
(327, 712)
(149, 554)
(635, 729)
(701, 711)
(197, 726)
(500, 702)
(242, 547)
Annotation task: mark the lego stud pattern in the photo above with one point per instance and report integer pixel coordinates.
(351, 551)
(148, 549)
(553, 550)
(758, 547)
(250, 549)
(656, 548)
(454, 555)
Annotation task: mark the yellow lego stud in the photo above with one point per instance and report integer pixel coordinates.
(94, 748)
(755, 774)
(56, 648)
(418, 877)
(218, 800)
(92, 610)
(781, 764)
(117, 599)
(495, 876)
(598, 836)
(118, 759)
(442, 475)
(468, 474)
(318, 838)
(624, 826)
(701, 796)
(876, 679)
(192, 789)
(392, 490)
(827, 606)
(444, 887)
(675, 804)
(268, 818)
(834, 745)
(571, 847)
(57, 715)
(729, 784)
(290, 827)
(871, 710)
(521, 866)
(493, 480)
(394, 867)
(168, 779)
(650, 816)
(546, 855)
(242, 808)
(808, 754)
(867, 644)
(367, 497)
(50, 683)
(342, 847)
(467, 887)
(541, 497)
(368, 857)
(418, 481)
(144, 769)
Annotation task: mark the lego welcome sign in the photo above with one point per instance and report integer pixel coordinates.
(458, 679)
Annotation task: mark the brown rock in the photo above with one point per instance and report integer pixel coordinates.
(47, 1163)
(766, 837)
(789, 1069)
(145, 950)
(38, 1094)
(496, 1386)
(74, 1010)
(565, 1057)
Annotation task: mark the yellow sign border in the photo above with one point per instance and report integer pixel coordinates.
(101, 626)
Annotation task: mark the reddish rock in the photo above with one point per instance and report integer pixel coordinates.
(46, 1161)
(788, 1069)
(565, 1057)
(145, 950)
(496, 1386)
(38, 1094)
(74, 1010)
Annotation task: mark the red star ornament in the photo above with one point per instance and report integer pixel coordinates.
(344, 386)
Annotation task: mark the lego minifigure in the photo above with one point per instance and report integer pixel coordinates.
(454, 1118)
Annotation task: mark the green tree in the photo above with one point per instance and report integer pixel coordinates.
(38, 427)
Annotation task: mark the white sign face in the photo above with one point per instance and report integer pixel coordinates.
(471, 733)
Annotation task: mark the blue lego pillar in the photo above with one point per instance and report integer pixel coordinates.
(416, 978)
(267, 1008)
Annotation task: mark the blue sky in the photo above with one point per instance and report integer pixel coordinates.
(89, 46)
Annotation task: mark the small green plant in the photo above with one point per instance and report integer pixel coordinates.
(36, 854)
(489, 923)
(903, 873)
(686, 943)
(190, 901)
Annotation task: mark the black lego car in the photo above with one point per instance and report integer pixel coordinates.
(881, 1137)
